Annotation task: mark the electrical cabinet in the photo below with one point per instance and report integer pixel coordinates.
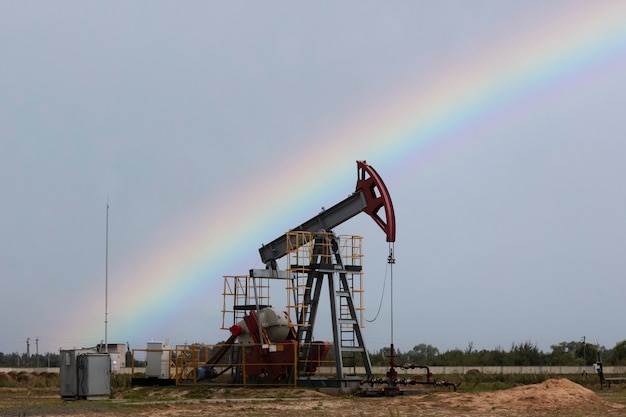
(158, 360)
(84, 374)
(94, 375)
(67, 374)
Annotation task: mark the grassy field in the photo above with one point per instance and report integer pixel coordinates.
(28, 395)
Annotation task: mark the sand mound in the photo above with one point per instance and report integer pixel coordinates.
(552, 394)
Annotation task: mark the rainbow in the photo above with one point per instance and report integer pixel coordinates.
(179, 286)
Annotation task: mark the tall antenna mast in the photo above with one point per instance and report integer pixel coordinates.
(106, 286)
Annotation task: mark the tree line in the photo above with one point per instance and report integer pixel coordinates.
(570, 353)
(17, 360)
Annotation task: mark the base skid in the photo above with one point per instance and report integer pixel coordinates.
(345, 386)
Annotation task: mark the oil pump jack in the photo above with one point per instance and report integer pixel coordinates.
(326, 264)
(315, 256)
(273, 342)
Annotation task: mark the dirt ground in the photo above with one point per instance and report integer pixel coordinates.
(554, 397)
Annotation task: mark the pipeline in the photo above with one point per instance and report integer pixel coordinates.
(392, 381)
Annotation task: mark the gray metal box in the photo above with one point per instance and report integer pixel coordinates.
(67, 374)
(84, 373)
(94, 375)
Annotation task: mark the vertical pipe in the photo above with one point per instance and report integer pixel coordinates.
(336, 329)
(106, 283)
(391, 260)
(258, 312)
(294, 364)
(243, 365)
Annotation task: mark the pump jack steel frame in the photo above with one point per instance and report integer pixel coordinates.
(372, 197)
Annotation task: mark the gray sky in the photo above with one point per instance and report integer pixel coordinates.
(213, 127)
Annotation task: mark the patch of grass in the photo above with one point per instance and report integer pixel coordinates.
(318, 406)
(120, 382)
(477, 382)
(615, 394)
(195, 392)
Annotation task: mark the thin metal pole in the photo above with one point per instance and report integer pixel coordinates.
(106, 286)
(391, 260)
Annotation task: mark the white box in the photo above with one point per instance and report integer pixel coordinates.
(158, 360)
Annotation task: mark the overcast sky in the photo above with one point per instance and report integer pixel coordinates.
(213, 127)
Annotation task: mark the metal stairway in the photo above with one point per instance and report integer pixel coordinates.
(324, 262)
